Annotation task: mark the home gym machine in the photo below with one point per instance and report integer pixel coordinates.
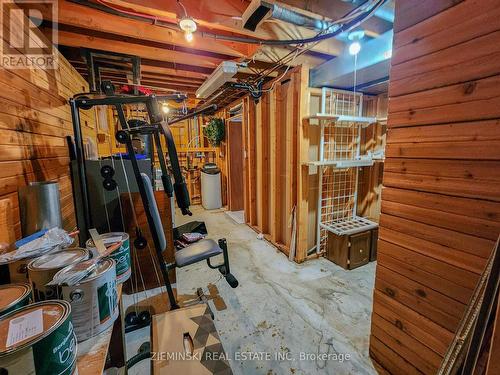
(199, 251)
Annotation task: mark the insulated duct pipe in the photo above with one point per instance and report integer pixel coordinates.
(259, 10)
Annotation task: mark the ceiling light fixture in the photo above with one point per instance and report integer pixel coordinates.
(354, 48)
(165, 108)
(187, 24)
(355, 37)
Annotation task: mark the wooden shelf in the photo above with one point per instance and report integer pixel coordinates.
(343, 163)
(351, 226)
(92, 353)
(338, 118)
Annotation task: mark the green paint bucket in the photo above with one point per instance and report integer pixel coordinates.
(120, 255)
(14, 296)
(50, 351)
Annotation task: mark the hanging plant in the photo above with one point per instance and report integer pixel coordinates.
(214, 131)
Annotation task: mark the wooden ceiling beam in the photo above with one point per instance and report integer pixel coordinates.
(125, 78)
(144, 52)
(82, 67)
(76, 59)
(92, 19)
(164, 77)
(146, 43)
(149, 84)
(168, 64)
(173, 71)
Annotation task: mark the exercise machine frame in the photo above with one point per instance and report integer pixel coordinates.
(158, 126)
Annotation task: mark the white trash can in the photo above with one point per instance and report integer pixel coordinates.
(211, 197)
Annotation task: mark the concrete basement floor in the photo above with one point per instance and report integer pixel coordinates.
(280, 306)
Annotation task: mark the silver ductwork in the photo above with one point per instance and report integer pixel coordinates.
(261, 10)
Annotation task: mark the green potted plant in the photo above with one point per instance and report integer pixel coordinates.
(214, 131)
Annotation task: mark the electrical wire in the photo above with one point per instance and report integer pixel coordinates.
(347, 22)
(164, 22)
(183, 8)
(287, 61)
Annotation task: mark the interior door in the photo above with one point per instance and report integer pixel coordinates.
(235, 171)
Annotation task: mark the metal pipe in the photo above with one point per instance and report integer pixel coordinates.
(84, 102)
(290, 16)
(212, 107)
(82, 173)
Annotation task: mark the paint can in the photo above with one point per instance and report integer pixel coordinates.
(94, 301)
(14, 296)
(18, 269)
(41, 270)
(121, 255)
(48, 347)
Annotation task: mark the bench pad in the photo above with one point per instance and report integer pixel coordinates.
(197, 252)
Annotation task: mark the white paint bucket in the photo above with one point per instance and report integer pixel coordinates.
(50, 351)
(41, 270)
(94, 301)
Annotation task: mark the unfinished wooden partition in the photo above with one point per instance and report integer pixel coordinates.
(441, 201)
(34, 121)
(275, 173)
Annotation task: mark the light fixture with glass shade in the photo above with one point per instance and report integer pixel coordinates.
(187, 25)
(355, 38)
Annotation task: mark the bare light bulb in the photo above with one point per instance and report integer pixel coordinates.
(189, 36)
(165, 108)
(354, 48)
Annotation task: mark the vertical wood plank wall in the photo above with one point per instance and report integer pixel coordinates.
(34, 120)
(276, 145)
(440, 202)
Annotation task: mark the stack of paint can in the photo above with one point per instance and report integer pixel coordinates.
(41, 270)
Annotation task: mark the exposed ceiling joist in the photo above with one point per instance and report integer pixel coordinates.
(87, 18)
(225, 16)
(144, 52)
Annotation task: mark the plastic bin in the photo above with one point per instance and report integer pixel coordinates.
(211, 198)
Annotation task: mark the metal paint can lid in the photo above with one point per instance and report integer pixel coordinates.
(103, 265)
(59, 260)
(53, 314)
(11, 294)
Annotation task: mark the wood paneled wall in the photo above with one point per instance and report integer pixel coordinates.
(440, 202)
(34, 120)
